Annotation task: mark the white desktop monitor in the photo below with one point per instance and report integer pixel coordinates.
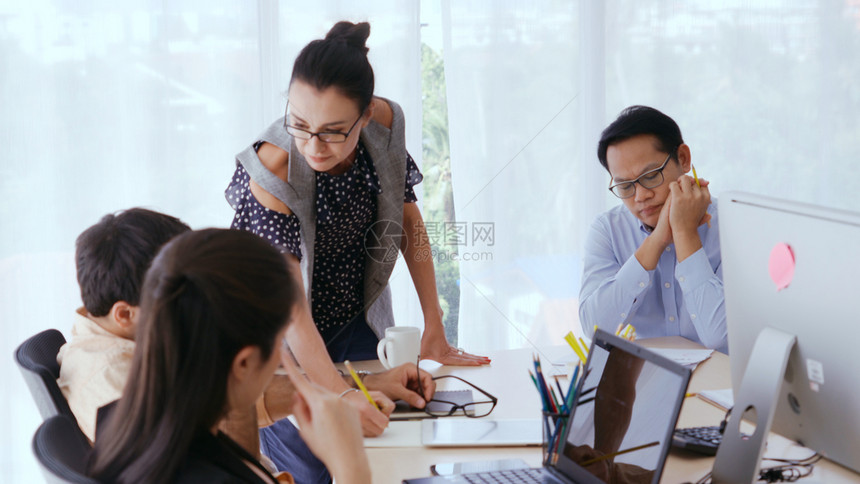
(818, 400)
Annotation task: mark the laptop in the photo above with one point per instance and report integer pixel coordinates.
(629, 405)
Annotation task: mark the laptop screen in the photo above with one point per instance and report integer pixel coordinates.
(626, 412)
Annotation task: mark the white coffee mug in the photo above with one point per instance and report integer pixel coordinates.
(401, 344)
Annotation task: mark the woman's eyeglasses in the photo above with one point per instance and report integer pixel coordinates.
(324, 136)
(444, 408)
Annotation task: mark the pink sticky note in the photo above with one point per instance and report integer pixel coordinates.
(781, 265)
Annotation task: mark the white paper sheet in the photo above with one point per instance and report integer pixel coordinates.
(688, 358)
(722, 398)
(398, 434)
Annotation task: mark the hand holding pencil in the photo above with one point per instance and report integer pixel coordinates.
(359, 384)
(374, 407)
(689, 198)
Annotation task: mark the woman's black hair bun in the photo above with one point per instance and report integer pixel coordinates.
(354, 35)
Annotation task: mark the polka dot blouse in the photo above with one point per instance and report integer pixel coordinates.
(346, 207)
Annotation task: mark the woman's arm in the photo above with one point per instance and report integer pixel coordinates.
(309, 349)
(419, 261)
(330, 428)
(303, 337)
(307, 345)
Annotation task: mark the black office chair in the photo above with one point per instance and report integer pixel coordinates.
(62, 451)
(37, 359)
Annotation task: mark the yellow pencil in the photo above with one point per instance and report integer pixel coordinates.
(359, 383)
(584, 346)
(613, 454)
(626, 332)
(571, 340)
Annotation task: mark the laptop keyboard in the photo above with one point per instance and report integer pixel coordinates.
(509, 476)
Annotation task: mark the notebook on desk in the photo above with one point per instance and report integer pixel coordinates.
(638, 396)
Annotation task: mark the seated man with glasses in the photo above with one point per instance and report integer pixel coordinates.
(653, 262)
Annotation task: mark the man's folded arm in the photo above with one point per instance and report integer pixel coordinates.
(610, 291)
(704, 298)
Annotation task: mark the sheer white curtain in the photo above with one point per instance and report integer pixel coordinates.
(516, 109)
(765, 94)
(108, 106)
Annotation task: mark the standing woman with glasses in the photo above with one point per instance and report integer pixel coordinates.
(330, 186)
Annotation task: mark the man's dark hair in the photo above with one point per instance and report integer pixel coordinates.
(639, 120)
(112, 256)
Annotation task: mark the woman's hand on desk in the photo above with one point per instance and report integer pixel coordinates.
(401, 383)
(435, 346)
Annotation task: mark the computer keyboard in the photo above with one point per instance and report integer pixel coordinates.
(702, 440)
(502, 477)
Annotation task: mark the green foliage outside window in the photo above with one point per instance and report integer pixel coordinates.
(438, 192)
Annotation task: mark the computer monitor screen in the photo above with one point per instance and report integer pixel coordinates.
(793, 267)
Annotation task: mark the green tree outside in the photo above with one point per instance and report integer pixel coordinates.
(438, 192)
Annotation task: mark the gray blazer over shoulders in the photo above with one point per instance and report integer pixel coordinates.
(387, 148)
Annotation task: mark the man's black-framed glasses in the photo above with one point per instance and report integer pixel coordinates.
(324, 136)
(479, 407)
(650, 179)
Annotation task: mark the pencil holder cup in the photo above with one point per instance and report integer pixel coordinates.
(554, 425)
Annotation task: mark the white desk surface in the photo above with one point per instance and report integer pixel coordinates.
(507, 378)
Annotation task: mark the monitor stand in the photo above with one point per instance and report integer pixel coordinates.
(739, 458)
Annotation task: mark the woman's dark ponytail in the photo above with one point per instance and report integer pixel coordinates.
(339, 61)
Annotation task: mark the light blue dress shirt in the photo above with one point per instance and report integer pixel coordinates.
(675, 298)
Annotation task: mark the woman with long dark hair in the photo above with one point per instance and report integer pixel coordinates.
(214, 310)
